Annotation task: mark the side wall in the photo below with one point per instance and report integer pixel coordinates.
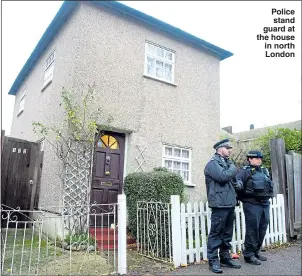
(45, 106)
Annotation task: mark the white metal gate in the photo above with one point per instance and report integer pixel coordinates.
(39, 243)
(154, 230)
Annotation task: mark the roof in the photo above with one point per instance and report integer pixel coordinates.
(225, 134)
(69, 6)
(257, 132)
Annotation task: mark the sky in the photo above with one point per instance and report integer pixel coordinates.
(254, 89)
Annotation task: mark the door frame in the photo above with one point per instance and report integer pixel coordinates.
(125, 153)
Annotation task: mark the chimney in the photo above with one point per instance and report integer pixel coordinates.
(252, 126)
(228, 129)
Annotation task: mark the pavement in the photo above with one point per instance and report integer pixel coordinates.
(281, 261)
(284, 260)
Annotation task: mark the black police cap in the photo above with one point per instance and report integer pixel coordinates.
(254, 154)
(223, 143)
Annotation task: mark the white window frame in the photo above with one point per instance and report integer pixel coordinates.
(49, 68)
(179, 159)
(162, 59)
(22, 101)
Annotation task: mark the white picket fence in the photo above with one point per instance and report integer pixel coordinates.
(191, 224)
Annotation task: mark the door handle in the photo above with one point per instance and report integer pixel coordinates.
(107, 160)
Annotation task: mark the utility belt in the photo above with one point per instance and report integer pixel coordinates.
(255, 200)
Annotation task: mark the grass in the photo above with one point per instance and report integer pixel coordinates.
(26, 253)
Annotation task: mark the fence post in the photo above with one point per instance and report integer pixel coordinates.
(291, 192)
(2, 138)
(277, 154)
(297, 160)
(176, 233)
(281, 198)
(122, 234)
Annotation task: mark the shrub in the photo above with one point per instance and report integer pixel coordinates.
(292, 139)
(155, 186)
(79, 239)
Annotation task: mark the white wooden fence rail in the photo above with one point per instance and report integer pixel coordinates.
(191, 225)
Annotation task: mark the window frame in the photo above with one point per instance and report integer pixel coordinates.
(47, 67)
(179, 159)
(157, 58)
(22, 100)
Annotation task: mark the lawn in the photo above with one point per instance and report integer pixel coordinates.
(24, 251)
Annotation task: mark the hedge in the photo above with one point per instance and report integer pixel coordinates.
(155, 186)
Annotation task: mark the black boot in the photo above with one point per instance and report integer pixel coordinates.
(215, 267)
(260, 257)
(252, 260)
(229, 263)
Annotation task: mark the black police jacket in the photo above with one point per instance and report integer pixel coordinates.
(218, 175)
(257, 186)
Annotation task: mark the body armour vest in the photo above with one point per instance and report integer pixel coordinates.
(258, 185)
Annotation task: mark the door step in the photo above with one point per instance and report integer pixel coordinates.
(102, 231)
(107, 238)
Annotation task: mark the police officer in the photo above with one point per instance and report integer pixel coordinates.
(254, 189)
(219, 172)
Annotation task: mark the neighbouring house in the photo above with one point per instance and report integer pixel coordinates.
(160, 84)
(247, 137)
(244, 139)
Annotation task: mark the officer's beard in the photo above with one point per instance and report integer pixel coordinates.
(223, 154)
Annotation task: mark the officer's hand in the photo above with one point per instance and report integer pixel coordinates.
(237, 185)
(229, 161)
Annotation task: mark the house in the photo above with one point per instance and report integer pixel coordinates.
(254, 133)
(244, 140)
(160, 83)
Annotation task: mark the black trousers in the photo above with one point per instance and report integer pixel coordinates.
(221, 233)
(256, 222)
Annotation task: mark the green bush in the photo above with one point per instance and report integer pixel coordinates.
(155, 186)
(79, 239)
(292, 139)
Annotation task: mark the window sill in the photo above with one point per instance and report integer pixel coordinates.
(158, 79)
(190, 184)
(20, 113)
(46, 85)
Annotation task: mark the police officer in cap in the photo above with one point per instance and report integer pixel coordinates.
(254, 188)
(219, 172)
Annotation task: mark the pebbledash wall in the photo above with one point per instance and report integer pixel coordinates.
(97, 45)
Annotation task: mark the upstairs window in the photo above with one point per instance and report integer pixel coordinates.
(49, 66)
(159, 63)
(22, 101)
